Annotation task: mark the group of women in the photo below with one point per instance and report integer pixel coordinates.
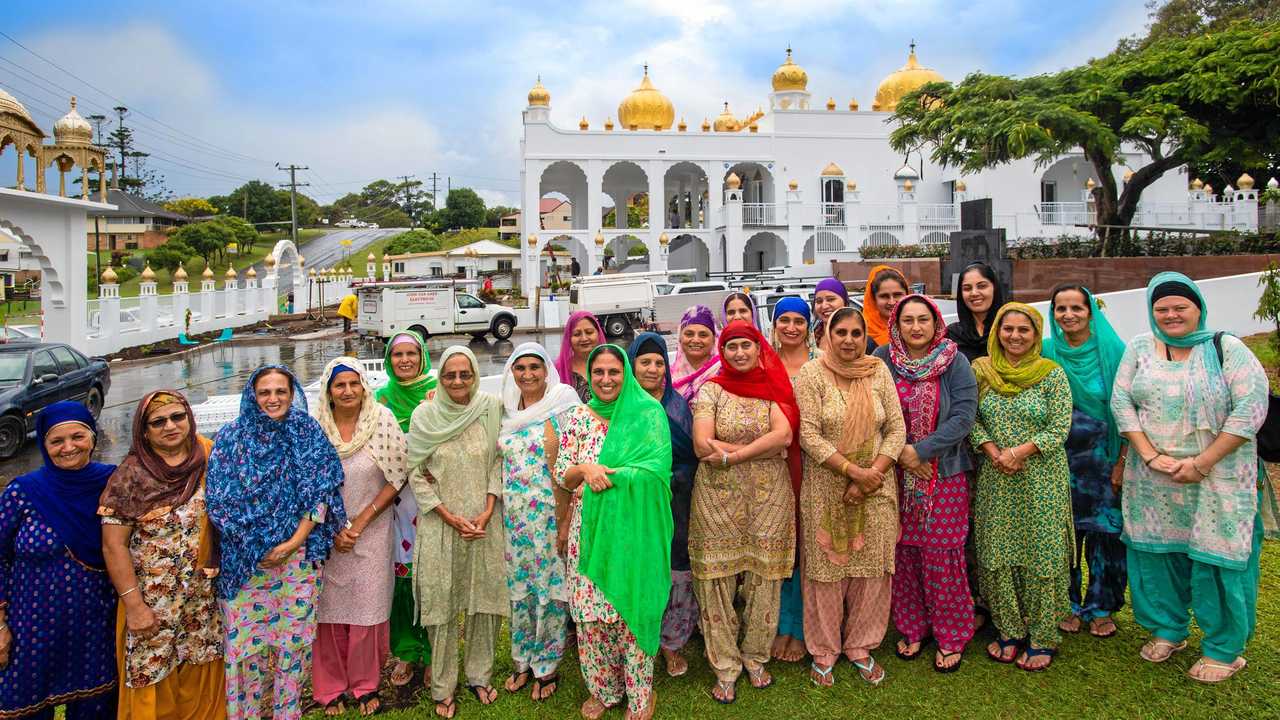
(785, 496)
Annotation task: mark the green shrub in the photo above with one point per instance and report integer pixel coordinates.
(940, 250)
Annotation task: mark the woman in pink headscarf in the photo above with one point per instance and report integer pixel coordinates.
(696, 357)
(582, 333)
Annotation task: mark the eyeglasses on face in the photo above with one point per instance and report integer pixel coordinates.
(175, 418)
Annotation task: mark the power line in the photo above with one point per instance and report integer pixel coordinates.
(293, 197)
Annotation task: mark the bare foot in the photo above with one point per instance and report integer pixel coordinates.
(676, 664)
(401, 674)
(779, 647)
(795, 650)
(647, 712)
(1070, 625)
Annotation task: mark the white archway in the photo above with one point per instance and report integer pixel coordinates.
(757, 182)
(575, 249)
(881, 238)
(684, 196)
(568, 181)
(623, 260)
(689, 252)
(763, 251)
(622, 182)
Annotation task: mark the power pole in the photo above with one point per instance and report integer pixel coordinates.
(293, 186)
(408, 199)
(121, 111)
(97, 121)
(434, 179)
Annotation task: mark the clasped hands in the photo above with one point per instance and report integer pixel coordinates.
(1181, 470)
(864, 482)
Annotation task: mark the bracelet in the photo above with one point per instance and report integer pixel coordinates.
(1196, 467)
(1148, 461)
(844, 468)
(126, 592)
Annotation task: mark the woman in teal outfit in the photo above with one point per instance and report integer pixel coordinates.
(1191, 520)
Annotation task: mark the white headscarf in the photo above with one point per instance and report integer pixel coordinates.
(376, 428)
(558, 396)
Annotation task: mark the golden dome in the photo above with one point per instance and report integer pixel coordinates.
(902, 81)
(793, 185)
(180, 273)
(682, 126)
(646, 108)
(599, 239)
(1244, 182)
(583, 124)
(1208, 189)
(538, 95)
(832, 170)
(10, 104)
(311, 272)
(726, 122)
(831, 104)
(733, 181)
(72, 129)
(664, 240)
(853, 105)
(608, 123)
(230, 274)
(961, 186)
(109, 276)
(753, 127)
(270, 261)
(148, 275)
(1090, 184)
(1197, 184)
(789, 76)
(706, 125)
(251, 272)
(851, 186)
(908, 186)
(208, 272)
(533, 240)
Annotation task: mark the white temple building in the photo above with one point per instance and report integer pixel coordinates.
(802, 182)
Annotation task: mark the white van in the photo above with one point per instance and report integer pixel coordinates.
(621, 301)
(428, 307)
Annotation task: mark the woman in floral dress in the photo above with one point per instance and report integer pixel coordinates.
(1022, 514)
(273, 496)
(533, 509)
(159, 548)
(615, 457)
(1191, 512)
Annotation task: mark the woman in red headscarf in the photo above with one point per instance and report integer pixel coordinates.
(742, 526)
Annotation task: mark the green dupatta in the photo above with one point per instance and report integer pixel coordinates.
(1099, 356)
(626, 531)
(403, 396)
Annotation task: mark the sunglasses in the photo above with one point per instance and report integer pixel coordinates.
(176, 418)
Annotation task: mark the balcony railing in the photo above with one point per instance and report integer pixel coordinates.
(758, 214)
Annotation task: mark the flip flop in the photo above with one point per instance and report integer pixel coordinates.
(870, 669)
(539, 683)
(364, 699)
(1005, 644)
(1032, 652)
(1209, 663)
(924, 642)
(517, 680)
(827, 673)
(450, 706)
(1103, 635)
(725, 688)
(944, 656)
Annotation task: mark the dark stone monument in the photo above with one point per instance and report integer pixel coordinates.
(977, 241)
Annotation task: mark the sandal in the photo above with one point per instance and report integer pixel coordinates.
(943, 655)
(1157, 650)
(871, 672)
(592, 709)
(401, 674)
(820, 676)
(1071, 625)
(517, 680)
(1103, 622)
(486, 689)
(539, 684)
(337, 705)
(728, 692)
(450, 706)
(759, 678)
(1204, 664)
(1005, 644)
(924, 641)
(1033, 652)
(364, 700)
(677, 666)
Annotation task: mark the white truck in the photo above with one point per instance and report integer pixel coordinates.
(428, 307)
(621, 301)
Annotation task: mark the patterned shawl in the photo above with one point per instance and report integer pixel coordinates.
(556, 398)
(376, 428)
(144, 486)
(919, 389)
(995, 372)
(264, 477)
(403, 396)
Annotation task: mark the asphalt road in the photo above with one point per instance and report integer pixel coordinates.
(327, 250)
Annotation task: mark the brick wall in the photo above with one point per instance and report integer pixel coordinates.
(916, 270)
(1034, 279)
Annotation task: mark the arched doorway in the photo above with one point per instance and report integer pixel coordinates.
(568, 246)
(757, 182)
(763, 251)
(623, 182)
(562, 182)
(628, 254)
(684, 196)
(689, 252)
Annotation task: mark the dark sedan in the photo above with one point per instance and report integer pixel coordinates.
(33, 375)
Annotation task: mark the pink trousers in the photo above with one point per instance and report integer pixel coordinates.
(348, 660)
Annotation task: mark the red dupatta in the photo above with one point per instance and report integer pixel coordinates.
(768, 380)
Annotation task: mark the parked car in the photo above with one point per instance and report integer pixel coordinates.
(35, 375)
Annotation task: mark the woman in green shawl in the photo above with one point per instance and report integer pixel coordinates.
(453, 443)
(409, 379)
(1022, 510)
(1082, 341)
(615, 456)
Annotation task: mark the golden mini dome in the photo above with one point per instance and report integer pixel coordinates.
(853, 105)
(1128, 175)
(664, 240)
(251, 272)
(371, 258)
(109, 276)
(908, 186)
(1197, 184)
(902, 81)
(10, 104)
(1090, 184)
(1244, 182)
(706, 125)
(72, 129)
(831, 104)
(539, 96)
(793, 185)
(961, 186)
(148, 275)
(270, 261)
(230, 274)
(789, 76)
(583, 124)
(726, 122)
(302, 261)
(832, 170)
(646, 108)
(682, 126)
(599, 239)
(533, 240)
(733, 181)
(1208, 189)
(208, 272)
(180, 273)
(851, 186)
(608, 124)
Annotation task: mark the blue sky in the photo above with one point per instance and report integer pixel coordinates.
(376, 88)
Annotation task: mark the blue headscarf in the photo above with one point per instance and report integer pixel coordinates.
(1193, 338)
(67, 500)
(264, 477)
(679, 417)
(792, 304)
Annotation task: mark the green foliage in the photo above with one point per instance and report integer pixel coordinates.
(1149, 245)
(412, 241)
(170, 255)
(1185, 18)
(208, 239)
(463, 209)
(245, 236)
(493, 215)
(1269, 195)
(1269, 303)
(637, 213)
(191, 207)
(255, 201)
(939, 250)
(1206, 99)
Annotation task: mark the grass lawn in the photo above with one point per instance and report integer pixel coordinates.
(305, 235)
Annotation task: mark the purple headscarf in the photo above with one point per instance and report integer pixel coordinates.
(832, 285)
(688, 380)
(564, 361)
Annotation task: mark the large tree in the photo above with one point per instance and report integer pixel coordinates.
(1205, 99)
(463, 209)
(208, 239)
(191, 207)
(255, 201)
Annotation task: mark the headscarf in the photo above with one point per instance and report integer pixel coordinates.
(144, 486)
(964, 331)
(440, 419)
(920, 391)
(402, 396)
(67, 500)
(768, 380)
(1201, 386)
(377, 431)
(995, 372)
(1096, 359)
(877, 324)
(266, 475)
(830, 285)
(797, 306)
(738, 295)
(625, 538)
(687, 380)
(564, 361)
(857, 431)
(679, 417)
(556, 398)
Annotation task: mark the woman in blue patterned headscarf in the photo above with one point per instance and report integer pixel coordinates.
(273, 497)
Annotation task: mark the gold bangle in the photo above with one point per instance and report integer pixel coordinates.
(844, 468)
(126, 592)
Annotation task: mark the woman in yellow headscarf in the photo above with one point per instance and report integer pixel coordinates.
(1022, 516)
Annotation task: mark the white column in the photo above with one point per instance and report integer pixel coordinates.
(208, 291)
(181, 304)
(714, 194)
(595, 213)
(795, 239)
(108, 311)
(735, 240)
(147, 304)
(854, 238)
(530, 216)
(230, 297)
